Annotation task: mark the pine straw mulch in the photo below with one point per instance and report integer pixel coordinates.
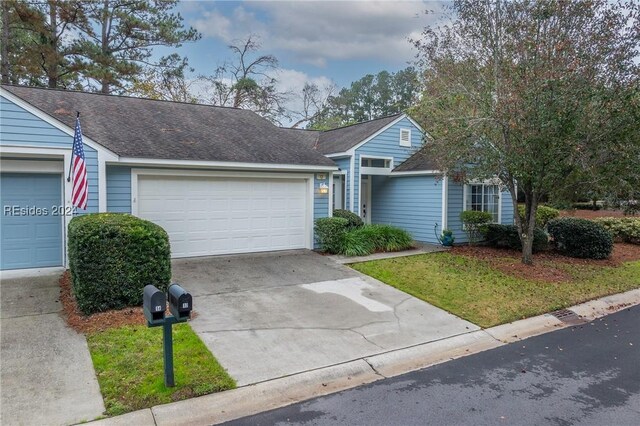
(96, 322)
(545, 267)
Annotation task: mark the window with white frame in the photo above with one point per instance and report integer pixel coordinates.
(483, 197)
(383, 163)
(405, 137)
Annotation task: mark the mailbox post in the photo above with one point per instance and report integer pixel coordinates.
(154, 304)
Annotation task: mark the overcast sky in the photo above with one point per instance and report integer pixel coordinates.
(317, 41)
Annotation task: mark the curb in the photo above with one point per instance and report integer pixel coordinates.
(252, 399)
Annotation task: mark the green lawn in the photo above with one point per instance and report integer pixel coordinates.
(128, 364)
(471, 289)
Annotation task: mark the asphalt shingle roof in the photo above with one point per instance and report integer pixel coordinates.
(144, 128)
(344, 138)
(419, 161)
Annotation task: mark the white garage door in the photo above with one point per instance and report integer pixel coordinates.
(207, 216)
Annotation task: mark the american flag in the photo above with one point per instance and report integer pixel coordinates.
(80, 192)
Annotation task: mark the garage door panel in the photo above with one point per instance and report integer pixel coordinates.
(205, 216)
(33, 239)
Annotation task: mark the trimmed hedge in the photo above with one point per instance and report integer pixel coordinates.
(355, 221)
(544, 214)
(330, 232)
(624, 229)
(580, 238)
(112, 256)
(507, 236)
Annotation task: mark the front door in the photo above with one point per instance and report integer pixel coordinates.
(365, 199)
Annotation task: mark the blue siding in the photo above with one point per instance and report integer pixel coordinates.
(507, 208)
(119, 189)
(345, 165)
(413, 203)
(386, 144)
(19, 127)
(320, 203)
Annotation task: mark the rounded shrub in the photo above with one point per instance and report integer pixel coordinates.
(112, 256)
(507, 236)
(330, 233)
(580, 238)
(623, 229)
(544, 214)
(474, 222)
(354, 220)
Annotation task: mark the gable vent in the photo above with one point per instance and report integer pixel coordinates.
(405, 137)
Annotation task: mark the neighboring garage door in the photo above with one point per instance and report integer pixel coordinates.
(207, 216)
(30, 238)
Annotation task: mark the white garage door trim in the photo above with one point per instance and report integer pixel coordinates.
(307, 178)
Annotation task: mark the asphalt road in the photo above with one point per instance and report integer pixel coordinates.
(586, 375)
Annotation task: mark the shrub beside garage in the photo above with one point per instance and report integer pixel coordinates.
(112, 256)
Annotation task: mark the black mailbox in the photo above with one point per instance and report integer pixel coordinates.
(180, 302)
(154, 303)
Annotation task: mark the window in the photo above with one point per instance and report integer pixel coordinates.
(405, 137)
(482, 197)
(384, 163)
(339, 193)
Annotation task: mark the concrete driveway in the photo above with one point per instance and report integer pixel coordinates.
(270, 315)
(46, 373)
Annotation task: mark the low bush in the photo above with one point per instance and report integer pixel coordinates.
(112, 256)
(507, 236)
(330, 233)
(580, 238)
(543, 215)
(623, 229)
(375, 238)
(473, 223)
(355, 221)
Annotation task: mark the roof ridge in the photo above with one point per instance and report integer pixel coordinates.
(56, 89)
(363, 122)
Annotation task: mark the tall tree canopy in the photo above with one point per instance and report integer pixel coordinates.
(531, 92)
(248, 81)
(98, 45)
(373, 96)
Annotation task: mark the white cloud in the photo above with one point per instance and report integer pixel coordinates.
(316, 32)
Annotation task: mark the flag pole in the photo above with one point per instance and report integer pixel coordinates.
(71, 161)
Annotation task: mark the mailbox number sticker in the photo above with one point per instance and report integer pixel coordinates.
(158, 308)
(185, 305)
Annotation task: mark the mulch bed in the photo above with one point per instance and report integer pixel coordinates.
(591, 214)
(508, 261)
(96, 322)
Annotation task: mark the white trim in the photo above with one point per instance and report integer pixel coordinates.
(102, 184)
(338, 155)
(30, 166)
(310, 178)
(64, 154)
(226, 165)
(380, 171)
(416, 173)
(330, 212)
(445, 202)
(376, 157)
(110, 155)
(408, 143)
(352, 183)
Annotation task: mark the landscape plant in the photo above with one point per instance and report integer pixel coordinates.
(580, 238)
(112, 256)
(623, 229)
(473, 222)
(506, 236)
(543, 215)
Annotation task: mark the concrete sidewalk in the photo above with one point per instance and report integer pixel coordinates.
(252, 399)
(46, 373)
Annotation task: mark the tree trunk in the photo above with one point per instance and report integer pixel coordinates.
(52, 67)
(528, 227)
(5, 66)
(104, 47)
